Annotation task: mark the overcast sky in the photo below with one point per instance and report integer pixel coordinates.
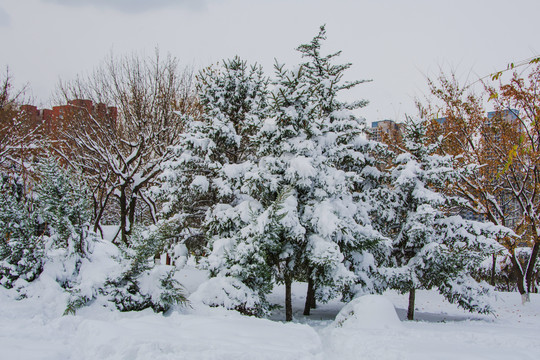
(395, 43)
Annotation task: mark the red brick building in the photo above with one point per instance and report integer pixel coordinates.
(52, 120)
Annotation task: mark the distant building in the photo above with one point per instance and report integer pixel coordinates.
(384, 128)
(507, 114)
(508, 204)
(441, 121)
(51, 120)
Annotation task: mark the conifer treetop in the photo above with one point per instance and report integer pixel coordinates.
(327, 78)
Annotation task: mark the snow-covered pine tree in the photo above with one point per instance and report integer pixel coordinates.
(233, 97)
(21, 236)
(325, 80)
(64, 206)
(65, 213)
(347, 148)
(430, 247)
(298, 206)
(247, 237)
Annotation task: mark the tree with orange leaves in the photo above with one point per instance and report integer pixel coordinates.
(501, 150)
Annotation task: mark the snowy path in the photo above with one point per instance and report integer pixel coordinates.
(35, 329)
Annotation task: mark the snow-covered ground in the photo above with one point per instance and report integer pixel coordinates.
(35, 329)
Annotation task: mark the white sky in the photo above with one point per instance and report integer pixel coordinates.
(395, 43)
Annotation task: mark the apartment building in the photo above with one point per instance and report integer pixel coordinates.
(384, 128)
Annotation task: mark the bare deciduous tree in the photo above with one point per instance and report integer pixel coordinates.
(121, 155)
(19, 136)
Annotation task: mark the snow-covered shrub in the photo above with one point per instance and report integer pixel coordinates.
(144, 284)
(230, 293)
(44, 235)
(134, 281)
(154, 288)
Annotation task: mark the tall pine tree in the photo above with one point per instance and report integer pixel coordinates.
(233, 97)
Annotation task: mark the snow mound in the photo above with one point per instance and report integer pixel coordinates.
(368, 312)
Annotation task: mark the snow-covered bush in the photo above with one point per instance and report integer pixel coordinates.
(143, 283)
(134, 282)
(230, 293)
(45, 235)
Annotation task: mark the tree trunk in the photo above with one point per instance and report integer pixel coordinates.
(525, 278)
(310, 297)
(520, 278)
(493, 268)
(123, 215)
(530, 267)
(99, 209)
(288, 299)
(98, 229)
(410, 311)
(131, 213)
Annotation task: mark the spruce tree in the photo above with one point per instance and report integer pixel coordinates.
(48, 224)
(233, 97)
(431, 247)
(346, 147)
(65, 213)
(21, 236)
(64, 206)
